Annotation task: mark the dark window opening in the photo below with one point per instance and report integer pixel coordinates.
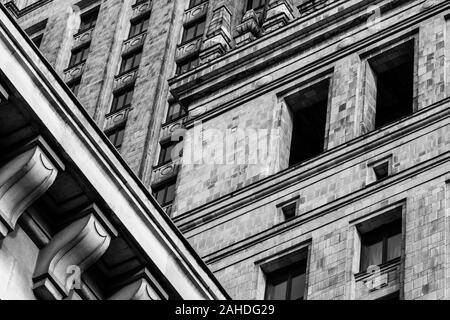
(289, 210)
(130, 61)
(381, 170)
(175, 111)
(88, 20)
(116, 137)
(165, 156)
(193, 30)
(394, 71)
(288, 283)
(309, 112)
(79, 55)
(74, 86)
(165, 194)
(392, 296)
(255, 4)
(187, 65)
(381, 245)
(194, 3)
(122, 100)
(138, 26)
(37, 40)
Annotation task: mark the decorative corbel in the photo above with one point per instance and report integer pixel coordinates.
(70, 252)
(278, 14)
(24, 177)
(140, 286)
(218, 37)
(249, 29)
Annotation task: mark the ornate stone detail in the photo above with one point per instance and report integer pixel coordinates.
(141, 9)
(195, 12)
(82, 38)
(166, 171)
(23, 179)
(137, 290)
(75, 248)
(133, 43)
(125, 79)
(279, 13)
(249, 29)
(218, 38)
(73, 72)
(117, 118)
(168, 130)
(187, 49)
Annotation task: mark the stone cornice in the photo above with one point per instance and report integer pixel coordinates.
(18, 13)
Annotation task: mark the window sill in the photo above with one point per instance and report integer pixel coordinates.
(383, 268)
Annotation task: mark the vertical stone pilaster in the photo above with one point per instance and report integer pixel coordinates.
(218, 36)
(278, 14)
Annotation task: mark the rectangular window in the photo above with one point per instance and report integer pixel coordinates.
(187, 64)
(36, 32)
(255, 4)
(138, 26)
(194, 3)
(79, 55)
(165, 194)
(88, 20)
(175, 111)
(122, 99)
(193, 30)
(393, 73)
(116, 137)
(74, 86)
(130, 61)
(165, 155)
(309, 109)
(381, 245)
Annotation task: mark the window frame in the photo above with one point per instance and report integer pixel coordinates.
(292, 270)
(114, 104)
(84, 49)
(74, 86)
(249, 6)
(92, 22)
(189, 61)
(115, 131)
(142, 21)
(195, 24)
(193, 3)
(134, 64)
(165, 186)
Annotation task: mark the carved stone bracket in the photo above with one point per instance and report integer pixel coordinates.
(249, 29)
(279, 13)
(24, 177)
(71, 252)
(138, 290)
(218, 38)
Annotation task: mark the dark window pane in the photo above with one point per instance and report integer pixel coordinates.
(277, 291)
(394, 246)
(298, 286)
(372, 255)
(170, 196)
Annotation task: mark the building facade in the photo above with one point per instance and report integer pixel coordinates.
(301, 146)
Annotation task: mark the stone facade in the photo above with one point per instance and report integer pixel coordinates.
(235, 174)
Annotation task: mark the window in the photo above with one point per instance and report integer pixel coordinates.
(381, 170)
(38, 40)
(187, 64)
(116, 137)
(393, 73)
(122, 99)
(165, 155)
(165, 194)
(381, 244)
(193, 30)
(255, 4)
(74, 86)
(175, 111)
(138, 27)
(79, 55)
(130, 61)
(289, 210)
(88, 20)
(287, 283)
(194, 3)
(309, 109)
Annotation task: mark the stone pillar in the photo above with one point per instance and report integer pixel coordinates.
(137, 290)
(70, 252)
(278, 14)
(218, 36)
(249, 29)
(24, 177)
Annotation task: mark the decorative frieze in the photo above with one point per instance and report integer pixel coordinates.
(166, 171)
(125, 79)
(82, 38)
(195, 12)
(141, 8)
(218, 38)
(133, 43)
(249, 29)
(74, 72)
(24, 177)
(71, 251)
(116, 119)
(188, 49)
(279, 13)
(168, 130)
